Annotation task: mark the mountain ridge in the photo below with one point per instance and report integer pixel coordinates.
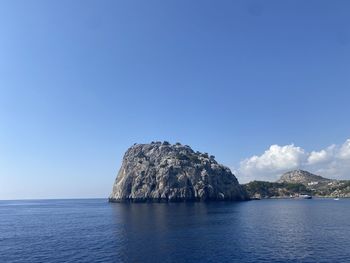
(300, 176)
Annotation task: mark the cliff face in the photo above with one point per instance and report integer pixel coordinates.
(165, 172)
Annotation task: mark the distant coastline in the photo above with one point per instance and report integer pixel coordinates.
(298, 182)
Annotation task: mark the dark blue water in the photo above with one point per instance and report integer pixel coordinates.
(97, 231)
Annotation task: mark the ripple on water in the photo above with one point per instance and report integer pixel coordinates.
(96, 231)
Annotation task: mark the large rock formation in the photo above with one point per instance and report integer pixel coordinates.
(165, 172)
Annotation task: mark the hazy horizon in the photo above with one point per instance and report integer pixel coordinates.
(262, 85)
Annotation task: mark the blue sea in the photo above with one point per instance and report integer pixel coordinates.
(93, 230)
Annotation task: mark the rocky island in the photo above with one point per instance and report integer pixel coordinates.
(296, 182)
(160, 171)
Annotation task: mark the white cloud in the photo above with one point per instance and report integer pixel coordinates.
(316, 157)
(344, 152)
(333, 162)
(273, 161)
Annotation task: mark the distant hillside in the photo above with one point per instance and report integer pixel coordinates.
(298, 182)
(302, 177)
(261, 189)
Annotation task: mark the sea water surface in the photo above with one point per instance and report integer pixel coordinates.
(94, 230)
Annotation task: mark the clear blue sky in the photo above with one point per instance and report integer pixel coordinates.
(81, 81)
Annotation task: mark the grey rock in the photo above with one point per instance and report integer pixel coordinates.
(164, 172)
